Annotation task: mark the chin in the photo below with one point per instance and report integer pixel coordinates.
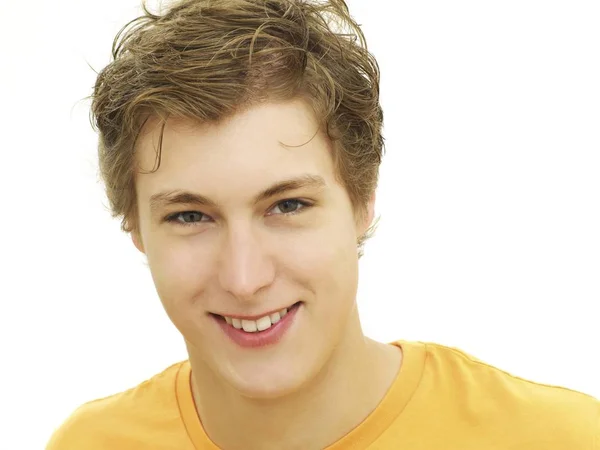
(270, 386)
(270, 375)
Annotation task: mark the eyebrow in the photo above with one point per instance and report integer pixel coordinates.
(176, 197)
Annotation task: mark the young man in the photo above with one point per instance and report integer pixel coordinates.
(240, 141)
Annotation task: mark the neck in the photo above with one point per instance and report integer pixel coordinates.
(311, 417)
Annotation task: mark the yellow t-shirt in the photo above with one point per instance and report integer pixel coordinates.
(442, 398)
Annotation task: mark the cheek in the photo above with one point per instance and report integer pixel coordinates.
(328, 266)
(178, 271)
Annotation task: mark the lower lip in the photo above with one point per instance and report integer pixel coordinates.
(263, 338)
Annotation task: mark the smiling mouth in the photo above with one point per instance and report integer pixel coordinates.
(258, 324)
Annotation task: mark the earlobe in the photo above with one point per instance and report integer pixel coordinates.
(369, 213)
(371, 210)
(366, 217)
(137, 241)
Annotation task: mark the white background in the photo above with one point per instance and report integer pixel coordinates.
(489, 199)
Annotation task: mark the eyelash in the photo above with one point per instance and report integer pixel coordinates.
(172, 218)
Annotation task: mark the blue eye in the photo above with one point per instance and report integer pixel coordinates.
(174, 218)
(290, 206)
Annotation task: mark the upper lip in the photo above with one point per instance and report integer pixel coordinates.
(255, 317)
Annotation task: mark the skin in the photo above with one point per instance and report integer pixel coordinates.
(236, 256)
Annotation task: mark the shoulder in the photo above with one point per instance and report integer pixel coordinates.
(107, 422)
(541, 412)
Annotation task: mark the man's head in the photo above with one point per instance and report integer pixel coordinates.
(208, 59)
(240, 141)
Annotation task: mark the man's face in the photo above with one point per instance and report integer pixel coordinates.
(239, 248)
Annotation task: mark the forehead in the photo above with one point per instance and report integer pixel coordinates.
(247, 151)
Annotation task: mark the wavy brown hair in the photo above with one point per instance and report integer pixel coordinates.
(205, 60)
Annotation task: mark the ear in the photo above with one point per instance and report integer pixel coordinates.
(366, 218)
(137, 241)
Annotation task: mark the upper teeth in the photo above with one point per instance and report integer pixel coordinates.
(252, 326)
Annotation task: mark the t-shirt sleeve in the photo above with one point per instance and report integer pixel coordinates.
(64, 439)
(596, 445)
(69, 436)
(61, 441)
(79, 431)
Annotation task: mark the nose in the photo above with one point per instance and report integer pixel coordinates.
(246, 267)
